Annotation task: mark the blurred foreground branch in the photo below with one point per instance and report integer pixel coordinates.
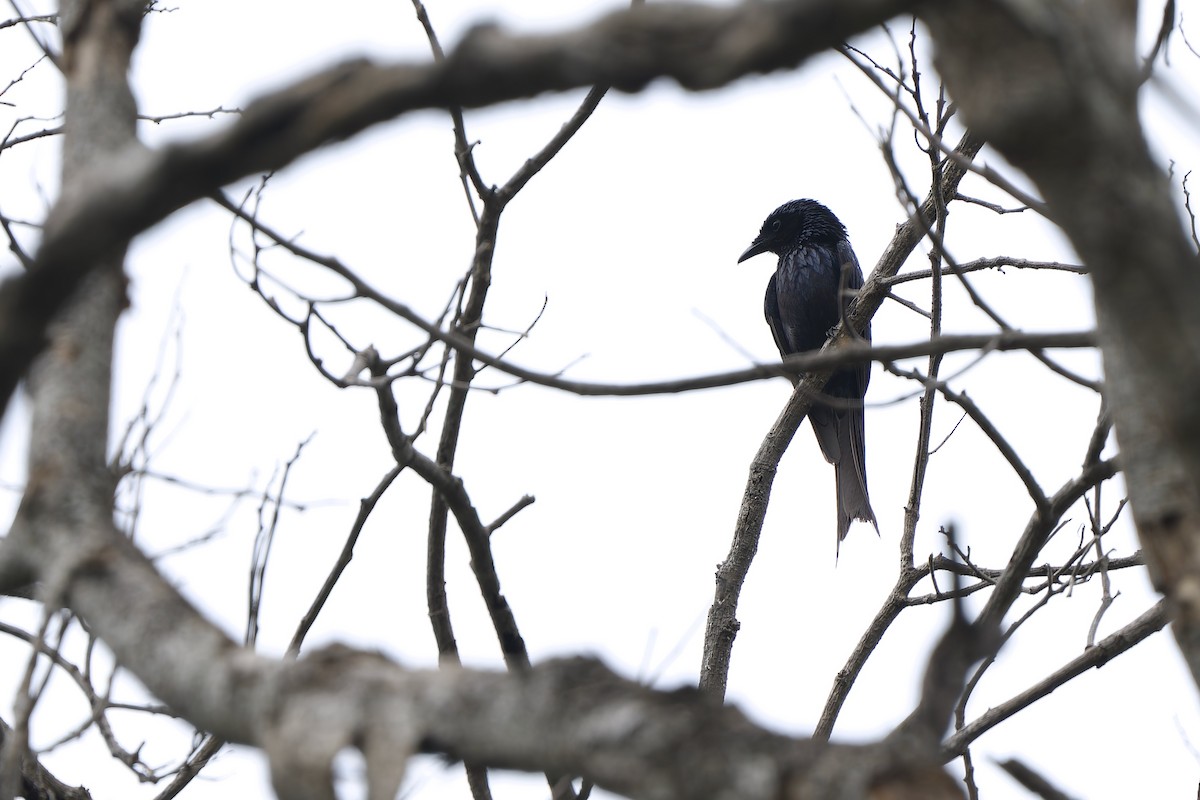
(699, 46)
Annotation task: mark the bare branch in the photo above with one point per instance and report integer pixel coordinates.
(463, 151)
(1082, 108)
(197, 761)
(722, 617)
(1031, 780)
(888, 612)
(210, 114)
(1150, 622)
(847, 353)
(995, 262)
(626, 50)
(38, 783)
(268, 523)
(517, 507)
(366, 506)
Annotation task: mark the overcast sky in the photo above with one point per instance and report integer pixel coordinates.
(629, 239)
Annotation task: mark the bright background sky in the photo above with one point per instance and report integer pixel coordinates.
(630, 236)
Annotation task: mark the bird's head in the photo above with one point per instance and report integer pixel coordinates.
(796, 224)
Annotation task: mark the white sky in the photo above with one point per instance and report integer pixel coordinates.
(631, 234)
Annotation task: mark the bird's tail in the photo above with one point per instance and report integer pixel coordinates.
(842, 436)
(853, 502)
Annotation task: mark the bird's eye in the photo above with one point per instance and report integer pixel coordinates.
(775, 225)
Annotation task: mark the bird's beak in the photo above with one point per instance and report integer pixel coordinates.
(759, 246)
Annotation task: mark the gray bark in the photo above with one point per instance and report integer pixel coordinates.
(1052, 86)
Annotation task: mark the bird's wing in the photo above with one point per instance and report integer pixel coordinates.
(826, 423)
(853, 275)
(771, 311)
(851, 282)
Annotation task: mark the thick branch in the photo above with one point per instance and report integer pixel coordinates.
(569, 716)
(1057, 96)
(699, 46)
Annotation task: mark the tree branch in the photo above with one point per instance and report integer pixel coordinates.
(1097, 656)
(699, 46)
(38, 783)
(731, 574)
(1058, 98)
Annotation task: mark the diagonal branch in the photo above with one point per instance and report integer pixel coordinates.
(722, 621)
(1097, 656)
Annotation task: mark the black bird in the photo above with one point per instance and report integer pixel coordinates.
(813, 284)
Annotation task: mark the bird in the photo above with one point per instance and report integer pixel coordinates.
(814, 281)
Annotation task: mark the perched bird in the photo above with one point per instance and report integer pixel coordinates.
(813, 284)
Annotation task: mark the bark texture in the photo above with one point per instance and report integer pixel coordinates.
(1054, 87)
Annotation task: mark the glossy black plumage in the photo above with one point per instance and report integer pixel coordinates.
(813, 282)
